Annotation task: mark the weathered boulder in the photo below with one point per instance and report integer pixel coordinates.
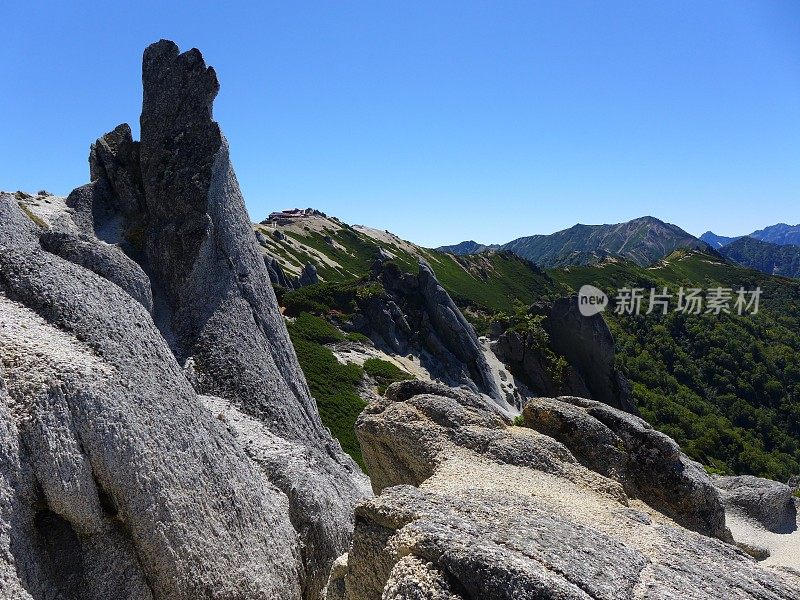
(647, 463)
(473, 508)
(767, 502)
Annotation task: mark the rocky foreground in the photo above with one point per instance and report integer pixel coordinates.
(158, 439)
(583, 501)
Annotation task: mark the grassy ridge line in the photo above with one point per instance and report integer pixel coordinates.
(490, 282)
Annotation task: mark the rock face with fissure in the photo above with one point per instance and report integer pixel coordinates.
(417, 312)
(472, 508)
(163, 442)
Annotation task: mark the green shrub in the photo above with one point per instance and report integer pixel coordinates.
(322, 298)
(385, 373)
(369, 291)
(519, 421)
(355, 336)
(315, 329)
(333, 386)
(724, 387)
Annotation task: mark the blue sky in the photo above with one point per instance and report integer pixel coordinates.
(441, 121)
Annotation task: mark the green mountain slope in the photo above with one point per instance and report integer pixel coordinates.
(487, 283)
(763, 256)
(641, 241)
(726, 387)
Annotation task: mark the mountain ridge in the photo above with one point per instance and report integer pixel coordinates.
(643, 240)
(767, 257)
(781, 234)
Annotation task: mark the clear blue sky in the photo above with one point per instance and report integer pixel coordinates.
(441, 121)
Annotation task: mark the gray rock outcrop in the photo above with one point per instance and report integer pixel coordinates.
(277, 276)
(472, 508)
(106, 260)
(113, 474)
(308, 276)
(453, 329)
(648, 464)
(173, 455)
(416, 311)
(585, 343)
(115, 158)
(767, 502)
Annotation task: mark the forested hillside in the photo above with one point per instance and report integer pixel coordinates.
(726, 387)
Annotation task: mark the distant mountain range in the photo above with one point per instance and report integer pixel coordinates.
(781, 234)
(717, 241)
(769, 258)
(642, 241)
(774, 249)
(466, 248)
